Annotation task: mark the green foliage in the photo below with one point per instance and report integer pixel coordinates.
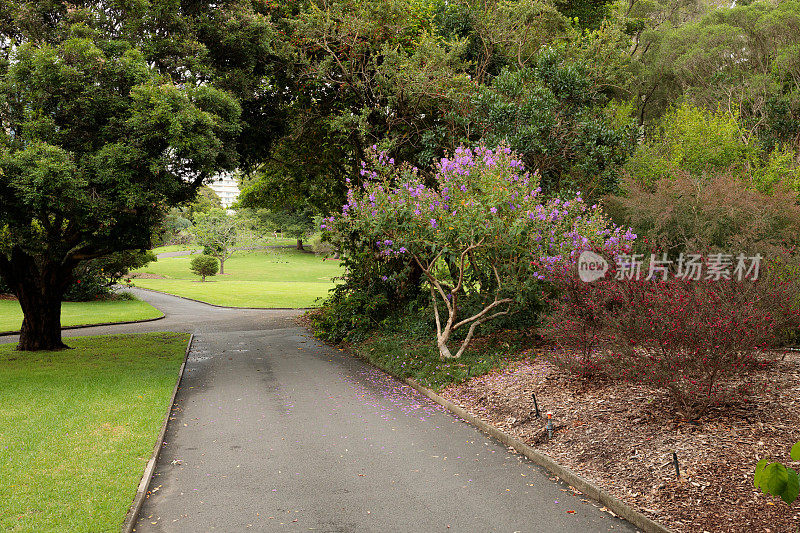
(742, 58)
(551, 113)
(204, 266)
(695, 141)
(588, 13)
(777, 479)
(698, 182)
(349, 316)
(205, 201)
(172, 228)
(401, 354)
(95, 143)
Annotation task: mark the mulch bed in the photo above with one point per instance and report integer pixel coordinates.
(621, 437)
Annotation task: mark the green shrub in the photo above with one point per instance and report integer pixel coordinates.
(692, 140)
(204, 266)
(96, 278)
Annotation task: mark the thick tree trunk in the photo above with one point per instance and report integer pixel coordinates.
(300, 244)
(39, 289)
(221, 266)
(41, 325)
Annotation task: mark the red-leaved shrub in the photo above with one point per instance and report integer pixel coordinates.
(698, 340)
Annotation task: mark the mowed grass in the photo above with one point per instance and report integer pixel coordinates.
(78, 426)
(269, 241)
(81, 313)
(270, 278)
(175, 248)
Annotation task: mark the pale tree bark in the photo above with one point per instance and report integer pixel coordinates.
(445, 328)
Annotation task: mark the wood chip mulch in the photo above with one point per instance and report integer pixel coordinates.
(621, 437)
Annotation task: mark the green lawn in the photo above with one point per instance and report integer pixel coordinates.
(273, 278)
(78, 426)
(269, 241)
(174, 248)
(80, 313)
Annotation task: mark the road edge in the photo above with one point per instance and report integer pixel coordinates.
(618, 507)
(99, 324)
(129, 524)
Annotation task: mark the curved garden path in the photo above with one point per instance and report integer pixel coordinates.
(274, 431)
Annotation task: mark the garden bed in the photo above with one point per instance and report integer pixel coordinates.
(621, 437)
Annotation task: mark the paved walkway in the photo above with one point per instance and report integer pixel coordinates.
(273, 431)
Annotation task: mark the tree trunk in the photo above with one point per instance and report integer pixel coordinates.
(300, 244)
(41, 325)
(39, 287)
(221, 265)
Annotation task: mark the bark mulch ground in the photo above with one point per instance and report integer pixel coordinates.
(621, 437)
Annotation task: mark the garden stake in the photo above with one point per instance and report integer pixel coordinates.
(536, 406)
(675, 462)
(549, 425)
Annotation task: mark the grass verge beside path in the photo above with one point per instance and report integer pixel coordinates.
(269, 278)
(82, 313)
(78, 426)
(405, 356)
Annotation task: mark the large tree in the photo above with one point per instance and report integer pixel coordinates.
(94, 143)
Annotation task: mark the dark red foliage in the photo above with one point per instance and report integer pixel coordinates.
(698, 340)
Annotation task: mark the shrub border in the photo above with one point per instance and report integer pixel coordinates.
(129, 524)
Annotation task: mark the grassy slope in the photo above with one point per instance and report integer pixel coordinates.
(76, 431)
(79, 313)
(409, 356)
(274, 278)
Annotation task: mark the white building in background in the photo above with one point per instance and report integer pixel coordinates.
(226, 185)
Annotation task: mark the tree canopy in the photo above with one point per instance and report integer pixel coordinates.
(94, 142)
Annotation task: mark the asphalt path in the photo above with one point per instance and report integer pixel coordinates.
(274, 431)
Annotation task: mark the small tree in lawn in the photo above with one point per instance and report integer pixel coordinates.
(204, 265)
(482, 232)
(216, 232)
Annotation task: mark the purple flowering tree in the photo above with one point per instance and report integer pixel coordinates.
(484, 217)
